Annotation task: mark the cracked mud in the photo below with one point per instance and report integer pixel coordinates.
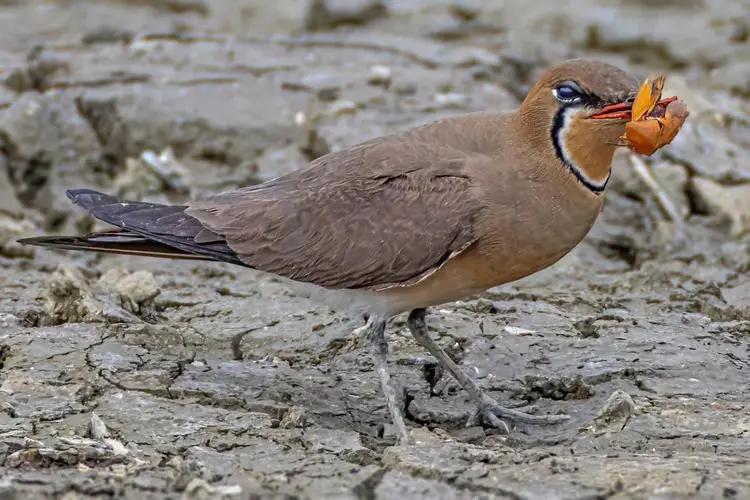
(154, 379)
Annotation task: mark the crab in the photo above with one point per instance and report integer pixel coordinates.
(653, 122)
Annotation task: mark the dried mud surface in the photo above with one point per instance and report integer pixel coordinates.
(141, 378)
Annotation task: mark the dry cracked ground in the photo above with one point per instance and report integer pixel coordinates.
(140, 378)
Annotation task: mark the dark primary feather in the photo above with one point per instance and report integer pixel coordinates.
(339, 223)
(147, 229)
(119, 242)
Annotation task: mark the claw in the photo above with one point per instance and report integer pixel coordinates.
(647, 98)
(653, 122)
(651, 133)
(496, 416)
(479, 417)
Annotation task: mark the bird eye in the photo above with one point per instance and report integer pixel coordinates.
(568, 92)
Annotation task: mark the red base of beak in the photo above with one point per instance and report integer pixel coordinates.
(614, 111)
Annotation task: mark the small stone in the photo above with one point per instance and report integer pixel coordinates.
(516, 330)
(118, 449)
(108, 280)
(71, 298)
(587, 328)
(300, 119)
(151, 174)
(10, 230)
(618, 406)
(200, 488)
(137, 181)
(380, 75)
(614, 313)
(361, 456)
(137, 291)
(295, 417)
(165, 165)
(328, 14)
(340, 108)
(229, 490)
(68, 297)
(97, 427)
(451, 99)
(557, 388)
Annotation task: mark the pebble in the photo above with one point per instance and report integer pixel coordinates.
(328, 14)
(341, 108)
(138, 289)
(380, 75)
(516, 330)
(452, 99)
(295, 417)
(98, 428)
(618, 406)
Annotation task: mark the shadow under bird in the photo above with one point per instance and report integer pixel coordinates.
(399, 223)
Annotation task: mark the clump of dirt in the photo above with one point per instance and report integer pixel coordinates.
(72, 297)
(564, 388)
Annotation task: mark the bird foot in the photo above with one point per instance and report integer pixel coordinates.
(497, 416)
(488, 411)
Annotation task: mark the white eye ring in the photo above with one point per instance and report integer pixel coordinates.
(567, 93)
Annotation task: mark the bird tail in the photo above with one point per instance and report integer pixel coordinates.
(146, 229)
(116, 242)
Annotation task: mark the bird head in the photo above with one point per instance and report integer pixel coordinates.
(577, 112)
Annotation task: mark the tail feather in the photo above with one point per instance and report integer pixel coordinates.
(114, 242)
(147, 229)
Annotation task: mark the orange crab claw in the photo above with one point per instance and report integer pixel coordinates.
(643, 136)
(647, 97)
(649, 134)
(674, 117)
(646, 100)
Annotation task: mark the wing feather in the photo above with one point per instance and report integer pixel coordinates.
(379, 214)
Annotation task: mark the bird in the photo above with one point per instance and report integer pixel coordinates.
(399, 223)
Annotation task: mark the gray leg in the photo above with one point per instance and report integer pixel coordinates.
(487, 407)
(380, 353)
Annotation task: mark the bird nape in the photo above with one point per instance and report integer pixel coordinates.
(400, 223)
